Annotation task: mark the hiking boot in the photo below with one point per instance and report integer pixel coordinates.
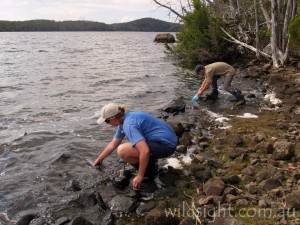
(212, 96)
(239, 98)
(240, 101)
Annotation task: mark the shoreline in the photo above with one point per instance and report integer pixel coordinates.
(250, 167)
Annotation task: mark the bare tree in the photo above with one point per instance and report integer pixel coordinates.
(276, 22)
(279, 36)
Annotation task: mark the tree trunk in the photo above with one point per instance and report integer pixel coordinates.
(256, 29)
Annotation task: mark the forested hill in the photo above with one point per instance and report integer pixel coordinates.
(145, 24)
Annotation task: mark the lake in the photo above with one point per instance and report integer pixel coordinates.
(52, 87)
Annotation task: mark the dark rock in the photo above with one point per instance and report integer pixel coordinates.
(72, 185)
(234, 140)
(264, 147)
(252, 188)
(186, 139)
(63, 158)
(194, 167)
(203, 175)
(144, 208)
(108, 219)
(80, 221)
(38, 221)
(225, 221)
(84, 200)
(269, 184)
(26, 219)
(62, 221)
(214, 186)
(181, 149)
(283, 150)
(233, 179)
(187, 221)
(177, 127)
(176, 106)
(159, 217)
(122, 204)
(164, 38)
(100, 201)
(293, 200)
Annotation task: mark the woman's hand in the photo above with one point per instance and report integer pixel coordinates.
(97, 162)
(136, 182)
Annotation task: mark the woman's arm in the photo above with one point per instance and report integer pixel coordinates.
(108, 150)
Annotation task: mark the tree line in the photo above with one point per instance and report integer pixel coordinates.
(145, 24)
(227, 29)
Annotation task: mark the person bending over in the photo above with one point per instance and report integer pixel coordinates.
(212, 73)
(149, 139)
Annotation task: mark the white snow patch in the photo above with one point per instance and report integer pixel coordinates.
(173, 162)
(248, 115)
(272, 98)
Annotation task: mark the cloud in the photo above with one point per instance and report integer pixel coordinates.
(107, 11)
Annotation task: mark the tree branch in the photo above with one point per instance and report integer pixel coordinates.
(233, 40)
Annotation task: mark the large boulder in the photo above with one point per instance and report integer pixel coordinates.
(164, 38)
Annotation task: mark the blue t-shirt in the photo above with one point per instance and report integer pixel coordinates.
(139, 126)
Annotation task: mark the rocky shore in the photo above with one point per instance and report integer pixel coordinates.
(247, 174)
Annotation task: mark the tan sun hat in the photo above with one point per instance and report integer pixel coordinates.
(109, 110)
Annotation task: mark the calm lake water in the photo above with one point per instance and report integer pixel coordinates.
(52, 87)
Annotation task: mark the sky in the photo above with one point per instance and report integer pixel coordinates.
(106, 11)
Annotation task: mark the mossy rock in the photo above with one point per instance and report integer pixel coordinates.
(164, 38)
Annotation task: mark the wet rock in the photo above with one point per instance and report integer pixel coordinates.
(80, 221)
(181, 149)
(176, 106)
(39, 221)
(159, 217)
(122, 204)
(62, 158)
(100, 201)
(177, 127)
(214, 186)
(144, 208)
(186, 139)
(26, 219)
(293, 200)
(269, 184)
(62, 221)
(108, 219)
(72, 185)
(164, 38)
(283, 150)
(84, 200)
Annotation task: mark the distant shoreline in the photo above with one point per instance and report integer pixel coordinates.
(140, 25)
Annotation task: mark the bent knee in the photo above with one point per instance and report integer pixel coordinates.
(123, 149)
